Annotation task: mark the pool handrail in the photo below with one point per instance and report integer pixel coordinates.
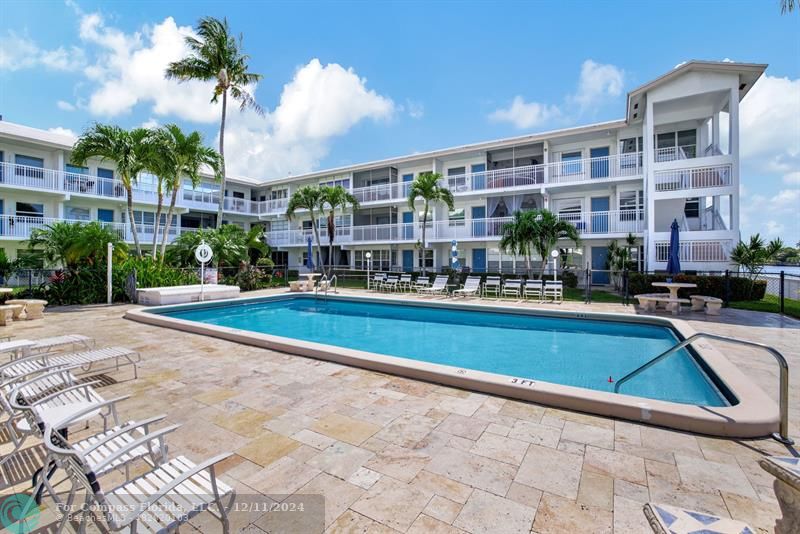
(783, 434)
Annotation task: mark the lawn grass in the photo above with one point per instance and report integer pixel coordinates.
(770, 303)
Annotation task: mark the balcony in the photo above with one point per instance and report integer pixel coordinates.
(20, 226)
(607, 222)
(675, 153)
(686, 179)
(697, 251)
(380, 193)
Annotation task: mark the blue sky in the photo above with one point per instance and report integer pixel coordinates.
(349, 82)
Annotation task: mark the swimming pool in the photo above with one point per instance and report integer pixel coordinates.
(574, 352)
(564, 359)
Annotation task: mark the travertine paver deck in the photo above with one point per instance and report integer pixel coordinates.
(397, 455)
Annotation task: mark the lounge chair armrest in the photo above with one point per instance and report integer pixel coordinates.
(15, 394)
(153, 499)
(123, 428)
(89, 409)
(146, 439)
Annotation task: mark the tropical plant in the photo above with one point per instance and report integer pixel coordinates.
(230, 244)
(308, 197)
(619, 258)
(427, 187)
(72, 244)
(184, 158)
(547, 230)
(217, 55)
(517, 236)
(128, 150)
(335, 197)
(256, 245)
(6, 266)
(754, 255)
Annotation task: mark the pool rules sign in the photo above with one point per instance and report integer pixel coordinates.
(203, 254)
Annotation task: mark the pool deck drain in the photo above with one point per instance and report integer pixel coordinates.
(397, 455)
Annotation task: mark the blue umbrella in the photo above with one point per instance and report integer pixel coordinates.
(454, 254)
(674, 259)
(310, 260)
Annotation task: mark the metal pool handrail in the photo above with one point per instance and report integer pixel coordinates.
(783, 434)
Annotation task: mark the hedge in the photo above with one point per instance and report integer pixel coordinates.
(711, 286)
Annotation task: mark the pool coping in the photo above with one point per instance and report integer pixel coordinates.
(755, 415)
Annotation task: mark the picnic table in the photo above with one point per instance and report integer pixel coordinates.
(673, 291)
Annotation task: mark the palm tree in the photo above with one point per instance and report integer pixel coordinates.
(426, 186)
(308, 197)
(787, 6)
(517, 236)
(335, 197)
(755, 255)
(256, 245)
(188, 155)
(547, 230)
(217, 55)
(127, 149)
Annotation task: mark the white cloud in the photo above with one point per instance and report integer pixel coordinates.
(317, 105)
(525, 114)
(774, 228)
(598, 82)
(416, 110)
(19, 52)
(62, 131)
(65, 106)
(128, 70)
(792, 178)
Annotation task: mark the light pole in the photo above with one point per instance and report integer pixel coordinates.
(368, 255)
(554, 255)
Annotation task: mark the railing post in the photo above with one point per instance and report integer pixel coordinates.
(781, 290)
(727, 287)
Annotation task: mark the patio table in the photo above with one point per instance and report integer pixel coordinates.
(786, 470)
(673, 290)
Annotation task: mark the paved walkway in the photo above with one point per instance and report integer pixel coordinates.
(396, 455)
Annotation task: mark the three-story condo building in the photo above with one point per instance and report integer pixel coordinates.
(675, 156)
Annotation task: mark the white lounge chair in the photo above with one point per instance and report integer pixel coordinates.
(405, 282)
(472, 285)
(554, 289)
(377, 281)
(21, 347)
(512, 288)
(492, 286)
(439, 286)
(533, 289)
(390, 284)
(116, 357)
(159, 500)
(421, 282)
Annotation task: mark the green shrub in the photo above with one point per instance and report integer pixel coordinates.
(712, 286)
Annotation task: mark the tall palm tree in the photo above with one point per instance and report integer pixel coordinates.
(547, 230)
(517, 236)
(787, 6)
(426, 186)
(335, 197)
(188, 155)
(308, 197)
(127, 149)
(217, 55)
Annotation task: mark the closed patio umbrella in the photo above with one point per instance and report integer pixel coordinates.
(310, 260)
(674, 258)
(454, 255)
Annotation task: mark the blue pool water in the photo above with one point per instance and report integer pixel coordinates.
(574, 352)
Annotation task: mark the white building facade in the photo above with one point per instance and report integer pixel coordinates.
(675, 156)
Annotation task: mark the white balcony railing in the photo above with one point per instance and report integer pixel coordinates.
(693, 178)
(382, 192)
(673, 153)
(274, 206)
(607, 222)
(20, 226)
(696, 251)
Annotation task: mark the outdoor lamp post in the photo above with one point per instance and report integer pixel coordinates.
(554, 255)
(368, 255)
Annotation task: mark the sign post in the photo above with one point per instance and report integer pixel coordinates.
(203, 254)
(109, 273)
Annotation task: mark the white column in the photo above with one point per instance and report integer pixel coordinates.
(649, 186)
(546, 161)
(733, 147)
(715, 129)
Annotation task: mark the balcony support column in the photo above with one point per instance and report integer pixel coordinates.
(733, 150)
(648, 158)
(546, 161)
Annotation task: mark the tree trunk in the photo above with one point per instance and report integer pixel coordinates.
(222, 156)
(157, 221)
(528, 264)
(319, 243)
(331, 234)
(170, 212)
(129, 193)
(424, 247)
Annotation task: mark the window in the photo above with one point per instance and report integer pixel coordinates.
(344, 182)
(75, 169)
(456, 217)
(277, 194)
(339, 220)
(631, 202)
(108, 174)
(32, 167)
(630, 153)
(456, 171)
(528, 203)
(238, 194)
(692, 208)
(26, 209)
(427, 262)
(77, 214)
(279, 226)
(569, 206)
(380, 261)
(105, 215)
(307, 225)
(571, 163)
(676, 145)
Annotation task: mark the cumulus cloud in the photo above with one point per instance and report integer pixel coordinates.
(597, 83)
(65, 106)
(19, 52)
(62, 131)
(416, 110)
(128, 70)
(320, 103)
(525, 114)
